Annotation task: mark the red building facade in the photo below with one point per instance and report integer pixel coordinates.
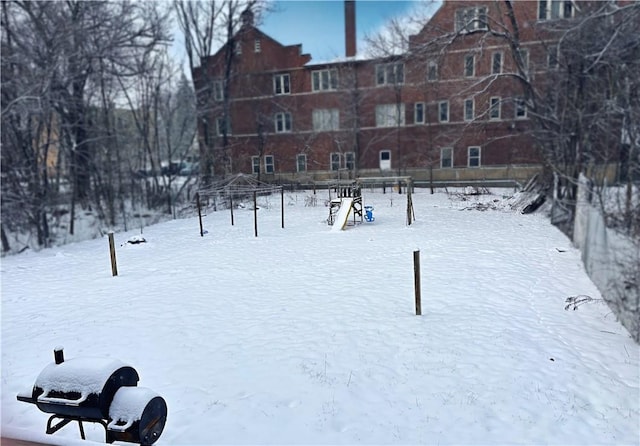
(449, 109)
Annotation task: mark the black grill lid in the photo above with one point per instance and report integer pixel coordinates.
(84, 376)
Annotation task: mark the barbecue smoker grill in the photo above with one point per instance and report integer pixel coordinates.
(100, 391)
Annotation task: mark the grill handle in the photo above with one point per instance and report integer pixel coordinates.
(118, 428)
(62, 401)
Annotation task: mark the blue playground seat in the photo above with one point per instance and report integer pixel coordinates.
(368, 213)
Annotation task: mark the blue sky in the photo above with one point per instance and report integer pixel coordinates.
(319, 24)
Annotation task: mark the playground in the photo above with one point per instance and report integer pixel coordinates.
(305, 335)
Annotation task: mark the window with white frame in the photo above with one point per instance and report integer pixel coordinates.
(432, 70)
(269, 164)
(326, 119)
(496, 63)
(494, 107)
(301, 162)
(218, 91)
(471, 19)
(322, 80)
(520, 108)
(255, 164)
(473, 156)
(281, 84)
(257, 47)
(552, 57)
(389, 115)
(469, 111)
(385, 159)
(237, 48)
(446, 157)
(469, 65)
(418, 113)
(335, 161)
(350, 160)
(390, 73)
(283, 122)
(555, 9)
(222, 125)
(443, 111)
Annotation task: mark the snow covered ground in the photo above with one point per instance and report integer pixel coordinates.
(304, 335)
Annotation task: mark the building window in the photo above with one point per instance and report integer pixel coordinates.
(552, 57)
(324, 80)
(257, 46)
(443, 111)
(221, 127)
(521, 108)
(255, 164)
(218, 91)
(494, 108)
(446, 157)
(473, 156)
(268, 164)
(555, 9)
(335, 161)
(523, 55)
(237, 48)
(496, 63)
(350, 160)
(468, 109)
(390, 74)
(281, 84)
(385, 159)
(469, 65)
(206, 132)
(301, 162)
(326, 120)
(389, 115)
(432, 70)
(283, 122)
(418, 113)
(471, 19)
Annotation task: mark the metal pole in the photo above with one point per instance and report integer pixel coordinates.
(255, 214)
(231, 206)
(282, 204)
(199, 214)
(416, 281)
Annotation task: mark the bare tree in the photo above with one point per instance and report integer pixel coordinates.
(208, 26)
(59, 60)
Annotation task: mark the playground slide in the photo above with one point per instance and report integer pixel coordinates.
(343, 215)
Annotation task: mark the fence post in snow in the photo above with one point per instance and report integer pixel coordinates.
(282, 204)
(199, 214)
(416, 281)
(255, 214)
(112, 252)
(231, 207)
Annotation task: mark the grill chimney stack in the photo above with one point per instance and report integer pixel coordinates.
(58, 355)
(350, 27)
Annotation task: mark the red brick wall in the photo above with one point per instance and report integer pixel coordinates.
(504, 142)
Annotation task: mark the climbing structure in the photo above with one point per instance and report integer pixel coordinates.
(346, 195)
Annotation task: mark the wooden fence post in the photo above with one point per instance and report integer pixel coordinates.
(416, 281)
(112, 252)
(231, 206)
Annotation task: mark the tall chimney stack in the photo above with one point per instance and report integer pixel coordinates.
(350, 27)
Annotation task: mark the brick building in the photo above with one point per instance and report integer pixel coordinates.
(450, 108)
